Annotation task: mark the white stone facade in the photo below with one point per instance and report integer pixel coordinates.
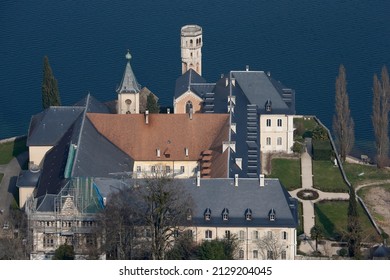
(191, 48)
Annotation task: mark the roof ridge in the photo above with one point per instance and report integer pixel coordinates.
(80, 133)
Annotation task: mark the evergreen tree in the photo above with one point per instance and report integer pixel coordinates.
(353, 227)
(64, 252)
(50, 93)
(152, 105)
(343, 125)
(380, 116)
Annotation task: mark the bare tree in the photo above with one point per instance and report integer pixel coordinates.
(142, 221)
(380, 116)
(271, 247)
(343, 125)
(164, 207)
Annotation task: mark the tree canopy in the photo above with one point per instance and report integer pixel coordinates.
(50, 92)
(343, 125)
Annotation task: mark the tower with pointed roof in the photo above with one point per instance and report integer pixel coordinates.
(128, 91)
(191, 48)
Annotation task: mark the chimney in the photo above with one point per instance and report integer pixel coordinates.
(226, 82)
(236, 180)
(147, 117)
(234, 82)
(168, 110)
(186, 151)
(239, 162)
(262, 181)
(190, 113)
(198, 179)
(247, 67)
(158, 152)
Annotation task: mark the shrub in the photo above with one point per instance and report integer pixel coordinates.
(322, 150)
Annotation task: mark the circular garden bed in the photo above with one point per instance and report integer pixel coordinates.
(307, 194)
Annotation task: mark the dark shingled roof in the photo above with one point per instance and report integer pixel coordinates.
(193, 81)
(97, 156)
(93, 105)
(258, 87)
(48, 127)
(218, 194)
(52, 177)
(28, 178)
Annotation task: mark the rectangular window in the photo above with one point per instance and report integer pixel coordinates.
(242, 235)
(255, 234)
(182, 169)
(255, 254)
(241, 254)
(208, 234)
(279, 141)
(268, 141)
(269, 234)
(153, 169)
(138, 168)
(279, 122)
(167, 169)
(284, 235)
(284, 255)
(48, 240)
(270, 255)
(268, 122)
(227, 234)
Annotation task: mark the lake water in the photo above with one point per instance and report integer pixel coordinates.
(302, 43)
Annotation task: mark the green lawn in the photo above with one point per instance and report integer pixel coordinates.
(327, 177)
(332, 216)
(359, 173)
(288, 171)
(11, 149)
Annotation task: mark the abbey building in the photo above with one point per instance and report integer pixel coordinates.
(213, 140)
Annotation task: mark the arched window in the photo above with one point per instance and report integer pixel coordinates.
(191, 42)
(188, 107)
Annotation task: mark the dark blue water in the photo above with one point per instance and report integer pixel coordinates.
(301, 43)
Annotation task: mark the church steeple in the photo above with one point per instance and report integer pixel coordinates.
(128, 91)
(129, 82)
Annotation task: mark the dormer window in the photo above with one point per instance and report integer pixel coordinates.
(189, 214)
(272, 215)
(225, 214)
(207, 214)
(268, 106)
(248, 214)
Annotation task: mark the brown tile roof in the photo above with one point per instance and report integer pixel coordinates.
(171, 133)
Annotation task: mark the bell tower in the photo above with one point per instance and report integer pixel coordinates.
(191, 48)
(128, 91)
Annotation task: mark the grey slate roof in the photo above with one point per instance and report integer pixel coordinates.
(258, 87)
(48, 127)
(96, 156)
(129, 82)
(193, 81)
(52, 178)
(218, 194)
(93, 105)
(28, 178)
